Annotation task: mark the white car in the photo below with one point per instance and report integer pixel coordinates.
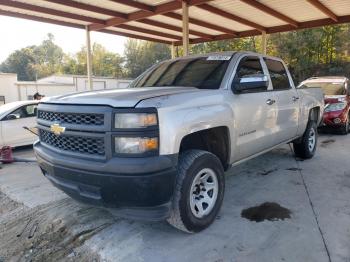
(13, 118)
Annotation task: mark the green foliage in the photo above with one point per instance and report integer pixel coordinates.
(20, 62)
(140, 55)
(246, 44)
(35, 62)
(319, 51)
(48, 57)
(310, 52)
(105, 63)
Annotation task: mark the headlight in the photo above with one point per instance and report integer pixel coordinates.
(135, 145)
(135, 120)
(335, 107)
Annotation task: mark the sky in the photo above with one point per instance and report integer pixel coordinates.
(17, 33)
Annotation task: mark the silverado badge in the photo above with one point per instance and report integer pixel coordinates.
(57, 129)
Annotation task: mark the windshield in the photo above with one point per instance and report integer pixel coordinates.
(329, 88)
(203, 73)
(8, 107)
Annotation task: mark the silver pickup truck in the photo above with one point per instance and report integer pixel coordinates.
(159, 149)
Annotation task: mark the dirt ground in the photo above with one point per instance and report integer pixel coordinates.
(276, 208)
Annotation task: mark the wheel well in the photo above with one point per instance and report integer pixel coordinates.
(214, 140)
(314, 114)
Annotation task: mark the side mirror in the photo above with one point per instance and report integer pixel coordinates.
(11, 117)
(250, 82)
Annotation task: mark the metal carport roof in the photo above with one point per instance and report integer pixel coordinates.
(161, 20)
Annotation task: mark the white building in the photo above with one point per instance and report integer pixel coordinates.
(8, 88)
(13, 90)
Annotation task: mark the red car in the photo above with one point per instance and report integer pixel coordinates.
(337, 100)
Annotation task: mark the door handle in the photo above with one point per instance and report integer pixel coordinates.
(270, 101)
(295, 98)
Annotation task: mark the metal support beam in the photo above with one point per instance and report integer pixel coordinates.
(202, 23)
(268, 10)
(173, 55)
(324, 9)
(263, 43)
(231, 16)
(185, 29)
(88, 58)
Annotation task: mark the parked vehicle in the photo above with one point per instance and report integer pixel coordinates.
(337, 100)
(13, 117)
(159, 149)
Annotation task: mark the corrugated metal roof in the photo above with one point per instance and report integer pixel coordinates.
(161, 20)
(339, 7)
(300, 11)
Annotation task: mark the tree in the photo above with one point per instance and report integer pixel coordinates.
(20, 62)
(34, 62)
(246, 44)
(140, 55)
(104, 62)
(48, 57)
(309, 52)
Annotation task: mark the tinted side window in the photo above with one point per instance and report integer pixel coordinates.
(249, 66)
(278, 74)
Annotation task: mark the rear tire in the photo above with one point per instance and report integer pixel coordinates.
(305, 147)
(199, 191)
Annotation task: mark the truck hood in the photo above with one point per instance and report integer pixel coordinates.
(334, 99)
(128, 97)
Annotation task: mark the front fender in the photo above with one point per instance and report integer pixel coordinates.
(176, 125)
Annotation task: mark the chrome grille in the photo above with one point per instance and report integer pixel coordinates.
(76, 144)
(72, 118)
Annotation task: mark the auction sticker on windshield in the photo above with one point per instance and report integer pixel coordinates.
(219, 57)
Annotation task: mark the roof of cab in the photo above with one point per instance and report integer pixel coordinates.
(225, 53)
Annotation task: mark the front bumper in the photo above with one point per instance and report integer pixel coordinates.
(139, 187)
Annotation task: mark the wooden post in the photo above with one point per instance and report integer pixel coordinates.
(88, 59)
(185, 33)
(263, 43)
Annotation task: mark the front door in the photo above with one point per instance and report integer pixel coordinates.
(255, 112)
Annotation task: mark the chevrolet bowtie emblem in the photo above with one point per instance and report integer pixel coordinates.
(57, 129)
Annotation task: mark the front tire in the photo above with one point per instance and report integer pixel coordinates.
(199, 191)
(306, 147)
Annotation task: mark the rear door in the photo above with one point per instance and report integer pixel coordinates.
(287, 100)
(13, 133)
(255, 111)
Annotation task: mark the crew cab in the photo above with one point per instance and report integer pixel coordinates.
(337, 100)
(158, 150)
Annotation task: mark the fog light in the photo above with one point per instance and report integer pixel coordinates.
(337, 120)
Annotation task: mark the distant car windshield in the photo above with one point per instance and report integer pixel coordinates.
(329, 88)
(203, 73)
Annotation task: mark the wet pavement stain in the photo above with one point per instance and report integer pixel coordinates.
(326, 142)
(267, 211)
(267, 172)
(294, 169)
